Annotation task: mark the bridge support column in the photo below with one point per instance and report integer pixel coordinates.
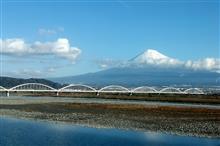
(57, 93)
(8, 94)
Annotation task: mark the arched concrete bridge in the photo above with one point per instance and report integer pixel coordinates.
(38, 87)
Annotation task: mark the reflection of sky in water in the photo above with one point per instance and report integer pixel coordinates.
(15, 132)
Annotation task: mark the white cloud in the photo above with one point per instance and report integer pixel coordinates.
(60, 48)
(204, 64)
(108, 63)
(44, 31)
(26, 73)
(51, 69)
(103, 65)
(32, 72)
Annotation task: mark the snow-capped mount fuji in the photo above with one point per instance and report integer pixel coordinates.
(155, 58)
(150, 68)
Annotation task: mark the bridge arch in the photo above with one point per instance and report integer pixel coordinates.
(3, 88)
(32, 87)
(170, 90)
(193, 91)
(144, 89)
(114, 88)
(77, 87)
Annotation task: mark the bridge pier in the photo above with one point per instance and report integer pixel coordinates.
(8, 94)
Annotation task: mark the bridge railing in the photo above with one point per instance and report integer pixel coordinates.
(144, 89)
(114, 89)
(77, 88)
(193, 91)
(171, 90)
(3, 89)
(32, 87)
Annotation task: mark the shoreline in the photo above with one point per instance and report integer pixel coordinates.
(178, 120)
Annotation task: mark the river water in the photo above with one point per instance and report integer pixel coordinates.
(17, 132)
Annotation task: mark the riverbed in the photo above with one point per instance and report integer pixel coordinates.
(198, 120)
(37, 133)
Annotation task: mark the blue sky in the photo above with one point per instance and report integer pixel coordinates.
(112, 30)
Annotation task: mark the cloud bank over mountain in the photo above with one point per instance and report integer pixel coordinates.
(211, 64)
(153, 58)
(60, 48)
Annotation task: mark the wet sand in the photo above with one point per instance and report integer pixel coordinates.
(182, 119)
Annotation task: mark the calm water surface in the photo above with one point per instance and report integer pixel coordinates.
(16, 132)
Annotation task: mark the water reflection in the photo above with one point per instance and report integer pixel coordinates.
(31, 133)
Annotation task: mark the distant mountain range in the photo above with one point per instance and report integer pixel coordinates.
(9, 82)
(148, 68)
(144, 76)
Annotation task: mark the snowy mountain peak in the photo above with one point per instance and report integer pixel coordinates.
(153, 57)
(152, 54)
